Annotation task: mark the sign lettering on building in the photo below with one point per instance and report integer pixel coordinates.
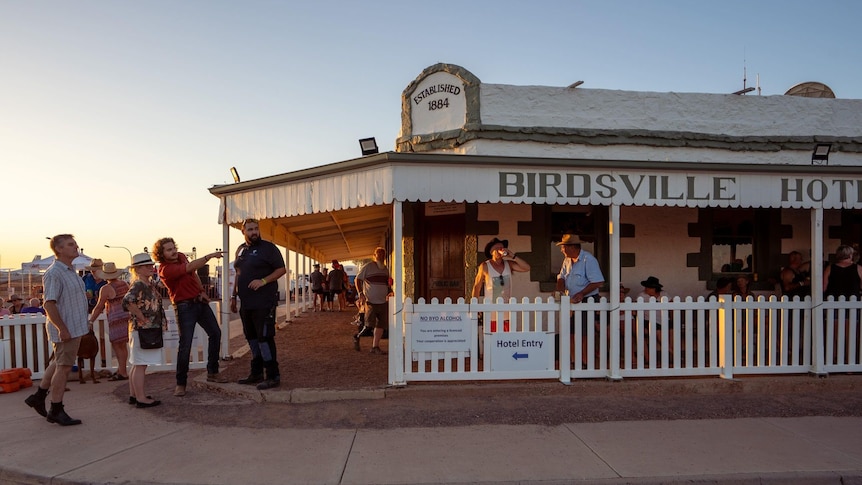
(438, 104)
(679, 189)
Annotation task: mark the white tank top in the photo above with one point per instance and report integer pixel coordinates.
(498, 285)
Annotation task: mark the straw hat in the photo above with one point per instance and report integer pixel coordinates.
(570, 239)
(109, 271)
(94, 265)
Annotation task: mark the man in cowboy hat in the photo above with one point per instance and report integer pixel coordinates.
(652, 289)
(580, 276)
(93, 283)
(17, 304)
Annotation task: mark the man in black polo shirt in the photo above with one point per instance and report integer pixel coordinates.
(258, 266)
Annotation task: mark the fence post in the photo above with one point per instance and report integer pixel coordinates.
(818, 345)
(396, 339)
(614, 351)
(565, 340)
(726, 332)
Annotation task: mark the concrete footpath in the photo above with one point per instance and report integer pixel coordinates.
(121, 444)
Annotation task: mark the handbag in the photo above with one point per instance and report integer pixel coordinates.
(151, 338)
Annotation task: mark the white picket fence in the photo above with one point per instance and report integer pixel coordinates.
(650, 339)
(23, 343)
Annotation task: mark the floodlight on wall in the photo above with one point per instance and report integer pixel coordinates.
(235, 174)
(368, 146)
(820, 156)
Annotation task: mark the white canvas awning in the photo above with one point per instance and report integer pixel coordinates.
(343, 210)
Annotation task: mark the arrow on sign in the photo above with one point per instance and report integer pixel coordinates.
(517, 356)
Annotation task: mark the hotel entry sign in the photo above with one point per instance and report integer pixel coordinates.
(438, 104)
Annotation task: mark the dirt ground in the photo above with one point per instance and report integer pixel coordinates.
(316, 351)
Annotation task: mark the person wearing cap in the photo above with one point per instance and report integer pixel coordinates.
(258, 266)
(495, 274)
(180, 277)
(16, 304)
(111, 300)
(66, 309)
(143, 302)
(316, 280)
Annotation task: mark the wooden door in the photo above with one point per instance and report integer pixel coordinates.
(443, 264)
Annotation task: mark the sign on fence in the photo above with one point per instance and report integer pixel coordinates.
(441, 332)
(521, 351)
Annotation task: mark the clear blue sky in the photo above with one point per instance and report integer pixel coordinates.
(116, 117)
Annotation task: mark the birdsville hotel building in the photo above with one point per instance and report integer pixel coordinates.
(686, 187)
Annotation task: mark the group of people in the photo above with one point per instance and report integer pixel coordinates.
(329, 285)
(16, 306)
(131, 309)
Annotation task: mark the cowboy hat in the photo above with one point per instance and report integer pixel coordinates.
(492, 242)
(141, 259)
(109, 271)
(94, 265)
(15, 298)
(624, 289)
(652, 282)
(570, 240)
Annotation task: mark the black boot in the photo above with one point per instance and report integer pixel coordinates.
(251, 379)
(37, 401)
(58, 415)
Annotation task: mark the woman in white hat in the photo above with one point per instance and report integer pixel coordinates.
(144, 303)
(110, 299)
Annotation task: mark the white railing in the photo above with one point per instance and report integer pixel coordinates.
(23, 343)
(651, 339)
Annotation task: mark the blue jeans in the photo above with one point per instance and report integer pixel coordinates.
(189, 314)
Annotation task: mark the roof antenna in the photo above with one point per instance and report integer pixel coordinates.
(744, 76)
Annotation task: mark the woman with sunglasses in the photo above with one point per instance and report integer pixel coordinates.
(495, 274)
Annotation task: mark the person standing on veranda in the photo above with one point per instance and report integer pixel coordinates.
(66, 307)
(495, 275)
(372, 283)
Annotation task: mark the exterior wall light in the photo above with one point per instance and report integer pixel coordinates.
(821, 154)
(368, 146)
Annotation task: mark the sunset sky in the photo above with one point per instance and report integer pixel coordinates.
(116, 117)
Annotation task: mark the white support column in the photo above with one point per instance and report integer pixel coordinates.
(396, 303)
(224, 306)
(614, 293)
(817, 343)
(287, 304)
(296, 307)
(287, 284)
(301, 283)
